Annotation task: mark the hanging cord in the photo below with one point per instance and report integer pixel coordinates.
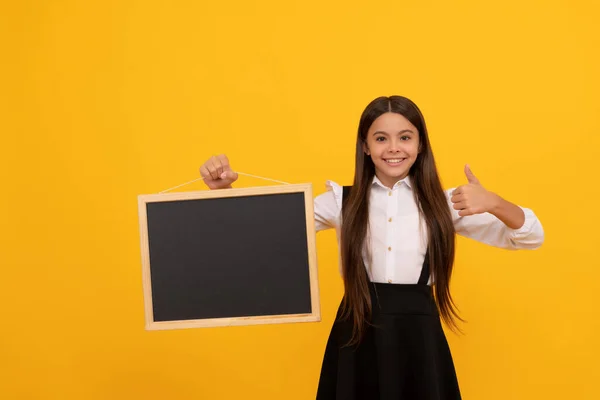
(239, 173)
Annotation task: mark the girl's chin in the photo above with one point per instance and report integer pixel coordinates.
(393, 170)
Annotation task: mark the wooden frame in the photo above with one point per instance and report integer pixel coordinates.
(314, 316)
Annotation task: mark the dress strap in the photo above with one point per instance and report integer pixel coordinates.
(345, 193)
(424, 278)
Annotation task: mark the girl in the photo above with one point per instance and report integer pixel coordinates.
(396, 229)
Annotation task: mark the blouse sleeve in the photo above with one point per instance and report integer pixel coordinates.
(488, 229)
(328, 207)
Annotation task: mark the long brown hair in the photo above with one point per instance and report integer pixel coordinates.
(433, 206)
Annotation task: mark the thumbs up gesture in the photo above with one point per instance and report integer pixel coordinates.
(473, 198)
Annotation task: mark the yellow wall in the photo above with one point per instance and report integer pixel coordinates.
(102, 101)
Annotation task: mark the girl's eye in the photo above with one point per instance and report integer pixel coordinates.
(405, 138)
(379, 139)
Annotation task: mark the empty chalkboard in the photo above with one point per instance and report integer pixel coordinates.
(229, 257)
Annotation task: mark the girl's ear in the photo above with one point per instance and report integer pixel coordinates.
(366, 149)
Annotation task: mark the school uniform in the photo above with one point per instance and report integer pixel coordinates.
(404, 353)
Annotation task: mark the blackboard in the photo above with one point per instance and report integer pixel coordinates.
(229, 257)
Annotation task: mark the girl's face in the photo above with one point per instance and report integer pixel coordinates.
(393, 144)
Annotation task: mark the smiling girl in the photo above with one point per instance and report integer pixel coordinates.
(396, 228)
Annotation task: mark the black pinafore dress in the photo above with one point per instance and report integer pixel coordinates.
(403, 355)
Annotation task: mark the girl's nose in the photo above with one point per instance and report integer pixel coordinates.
(394, 147)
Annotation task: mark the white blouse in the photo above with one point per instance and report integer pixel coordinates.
(398, 236)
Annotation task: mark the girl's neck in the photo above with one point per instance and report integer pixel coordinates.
(389, 182)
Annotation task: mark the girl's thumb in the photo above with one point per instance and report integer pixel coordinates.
(229, 175)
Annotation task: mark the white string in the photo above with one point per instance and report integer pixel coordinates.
(239, 173)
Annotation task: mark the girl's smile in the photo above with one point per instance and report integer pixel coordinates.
(394, 161)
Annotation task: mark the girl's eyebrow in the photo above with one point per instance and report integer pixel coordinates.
(385, 133)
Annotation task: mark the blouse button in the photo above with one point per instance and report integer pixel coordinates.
(389, 193)
(390, 220)
(389, 281)
(389, 249)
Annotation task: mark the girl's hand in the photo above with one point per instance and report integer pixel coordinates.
(217, 173)
(473, 198)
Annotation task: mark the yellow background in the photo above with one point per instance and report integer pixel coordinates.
(104, 100)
